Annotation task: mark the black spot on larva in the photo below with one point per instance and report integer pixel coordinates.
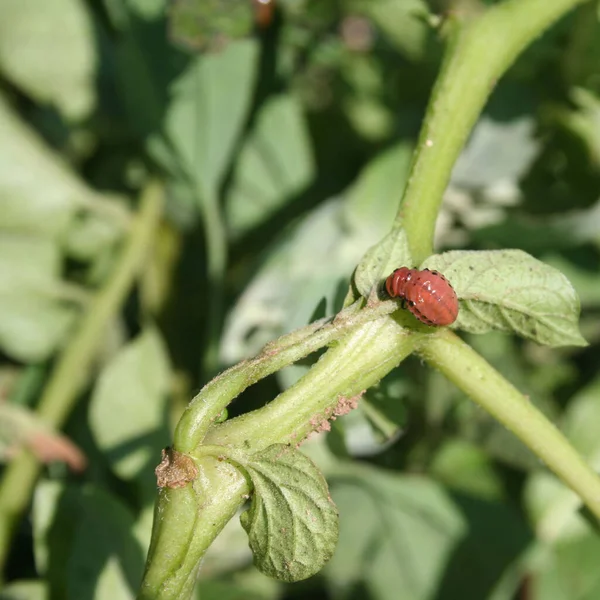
(411, 303)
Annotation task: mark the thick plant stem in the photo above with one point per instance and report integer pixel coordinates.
(187, 520)
(485, 386)
(73, 367)
(206, 407)
(479, 52)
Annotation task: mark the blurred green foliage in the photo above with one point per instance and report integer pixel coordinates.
(284, 140)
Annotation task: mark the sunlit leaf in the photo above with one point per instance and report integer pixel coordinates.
(511, 291)
(48, 50)
(25, 590)
(292, 522)
(127, 410)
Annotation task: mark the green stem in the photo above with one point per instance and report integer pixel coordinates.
(218, 394)
(74, 365)
(485, 386)
(479, 52)
(183, 531)
(186, 522)
(357, 362)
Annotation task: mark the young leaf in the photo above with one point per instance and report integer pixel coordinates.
(292, 522)
(511, 291)
(380, 260)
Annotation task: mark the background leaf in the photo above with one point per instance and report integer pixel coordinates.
(275, 164)
(90, 530)
(128, 406)
(52, 69)
(208, 108)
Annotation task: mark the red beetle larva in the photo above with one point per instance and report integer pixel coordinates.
(428, 295)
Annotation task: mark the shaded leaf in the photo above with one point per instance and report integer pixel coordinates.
(294, 278)
(292, 522)
(105, 559)
(208, 109)
(127, 409)
(221, 590)
(52, 68)
(199, 24)
(24, 590)
(511, 291)
(465, 467)
(84, 543)
(403, 22)
(400, 546)
(38, 192)
(275, 163)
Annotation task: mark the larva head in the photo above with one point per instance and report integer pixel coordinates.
(396, 282)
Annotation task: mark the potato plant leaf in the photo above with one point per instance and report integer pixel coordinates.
(380, 260)
(292, 522)
(510, 290)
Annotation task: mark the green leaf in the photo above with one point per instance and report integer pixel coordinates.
(33, 320)
(463, 466)
(380, 260)
(510, 290)
(221, 590)
(105, 559)
(24, 590)
(128, 405)
(497, 151)
(292, 521)
(48, 50)
(275, 164)
(396, 534)
(84, 543)
(403, 23)
(209, 106)
(294, 277)
(198, 24)
(38, 192)
(569, 571)
(92, 234)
